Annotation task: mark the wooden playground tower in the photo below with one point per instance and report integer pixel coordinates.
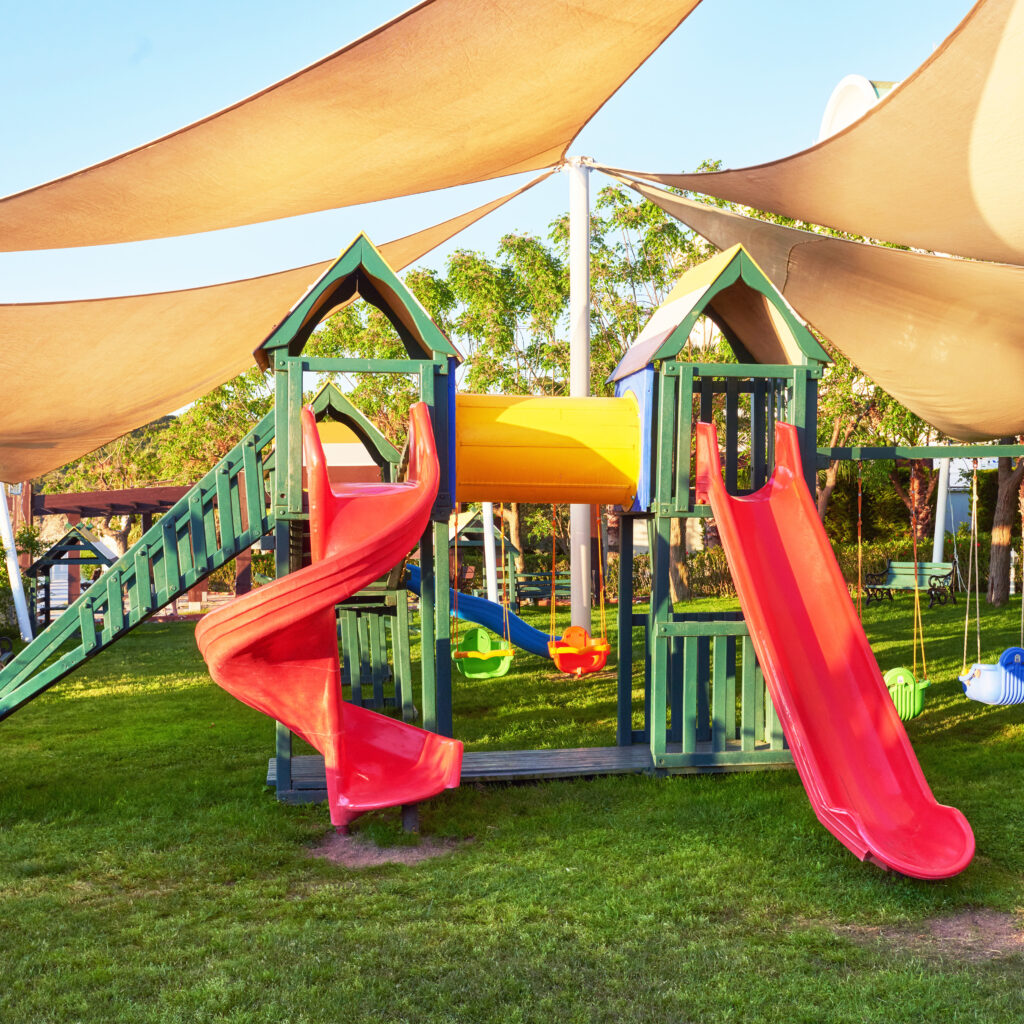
(704, 705)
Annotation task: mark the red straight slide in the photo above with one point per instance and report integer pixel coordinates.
(851, 750)
(276, 649)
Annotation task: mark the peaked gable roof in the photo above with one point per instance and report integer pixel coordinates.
(83, 547)
(360, 272)
(733, 291)
(329, 402)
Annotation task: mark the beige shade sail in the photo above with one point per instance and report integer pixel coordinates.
(944, 336)
(451, 92)
(937, 164)
(78, 374)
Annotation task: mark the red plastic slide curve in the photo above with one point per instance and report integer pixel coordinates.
(851, 750)
(276, 649)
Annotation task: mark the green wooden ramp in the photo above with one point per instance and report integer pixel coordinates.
(226, 512)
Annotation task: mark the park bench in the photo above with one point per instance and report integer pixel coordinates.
(536, 586)
(935, 577)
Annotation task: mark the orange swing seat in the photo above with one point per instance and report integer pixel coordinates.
(578, 653)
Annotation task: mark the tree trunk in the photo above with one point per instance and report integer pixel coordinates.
(918, 495)
(118, 538)
(515, 534)
(1002, 529)
(842, 430)
(825, 490)
(678, 573)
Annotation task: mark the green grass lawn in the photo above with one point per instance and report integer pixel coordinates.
(147, 875)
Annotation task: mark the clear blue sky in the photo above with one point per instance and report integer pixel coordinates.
(743, 81)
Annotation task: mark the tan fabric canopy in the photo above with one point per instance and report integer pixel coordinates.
(942, 335)
(452, 91)
(78, 374)
(937, 164)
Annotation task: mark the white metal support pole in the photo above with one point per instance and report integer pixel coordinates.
(579, 370)
(490, 557)
(939, 543)
(13, 569)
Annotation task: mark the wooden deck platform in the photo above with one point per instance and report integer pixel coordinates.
(309, 785)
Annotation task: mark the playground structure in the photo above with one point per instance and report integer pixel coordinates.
(720, 692)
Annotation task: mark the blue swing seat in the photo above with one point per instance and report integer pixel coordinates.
(1002, 683)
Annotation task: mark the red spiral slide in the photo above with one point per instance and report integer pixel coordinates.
(276, 649)
(851, 750)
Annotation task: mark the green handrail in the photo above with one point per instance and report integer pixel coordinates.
(227, 511)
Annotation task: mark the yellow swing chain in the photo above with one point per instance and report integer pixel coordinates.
(600, 573)
(455, 582)
(554, 524)
(860, 542)
(1020, 504)
(973, 564)
(918, 622)
(505, 595)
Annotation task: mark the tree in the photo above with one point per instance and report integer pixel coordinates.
(210, 427)
(892, 424)
(128, 461)
(1010, 478)
(846, 400)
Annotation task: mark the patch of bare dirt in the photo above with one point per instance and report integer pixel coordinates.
(973, 936)
(353, 851)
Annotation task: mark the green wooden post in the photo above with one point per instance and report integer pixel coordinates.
(704, 689)
(365, 668)
(805, 420)
(691, 683)
(707, 396)
(293, 466)
(719, 692)
(758, 449)
(684, 437)
(624, 702)
(661, 612)
(281, 453)
(282, 560)
(350, 645)
(403, 657)
(378, 658)
(115, 606)
(344, 660)
(731, 433)
(777, 737)
(143, 602)
(197, 532)
(649, 638)
(730, 687)
(676, 665)
(442, 632)
(749, 702)
(225, 513)
(428, 650)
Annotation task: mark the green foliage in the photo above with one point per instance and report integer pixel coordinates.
(883, 513)
(361, 331)
(209, 428)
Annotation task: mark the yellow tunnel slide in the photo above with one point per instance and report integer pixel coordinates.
(538, 449)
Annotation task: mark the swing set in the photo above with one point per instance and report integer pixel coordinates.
(475, 655)
(577, 652)
(1003, 682)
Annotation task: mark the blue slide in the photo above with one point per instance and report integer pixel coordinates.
(491, 616)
